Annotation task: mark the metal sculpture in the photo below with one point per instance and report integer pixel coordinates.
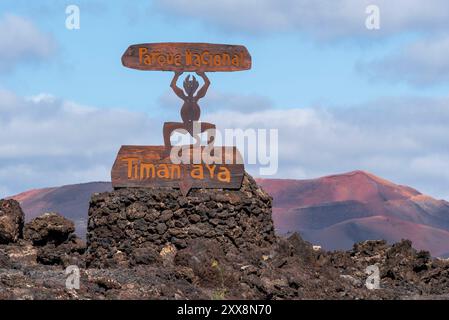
(190, 110)
(151, 166)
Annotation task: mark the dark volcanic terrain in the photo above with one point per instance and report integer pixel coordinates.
(212, 265)
(289, 269)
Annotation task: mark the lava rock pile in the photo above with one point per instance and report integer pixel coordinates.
(127, 226)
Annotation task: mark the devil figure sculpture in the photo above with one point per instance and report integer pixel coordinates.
(190, 111)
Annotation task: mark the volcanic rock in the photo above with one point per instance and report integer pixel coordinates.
(70, 252)
(146, 256)
(5, 262)
(48, 228)
(288, 268)
(124, 220)
(11, 221)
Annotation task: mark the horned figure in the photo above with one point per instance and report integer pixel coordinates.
(190, 111)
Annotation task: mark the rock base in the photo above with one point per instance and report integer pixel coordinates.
(131, 226)
(11, 221)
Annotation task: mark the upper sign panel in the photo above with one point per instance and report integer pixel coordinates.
(190, 57)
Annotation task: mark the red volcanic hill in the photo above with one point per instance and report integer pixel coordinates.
(338, 210)
(72, 201)
(333, 211)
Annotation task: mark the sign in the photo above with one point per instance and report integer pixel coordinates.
(187, 57)
(150, 166)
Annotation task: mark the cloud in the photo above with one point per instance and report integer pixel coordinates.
(402, 139)
(46, 141)
(321, 19)
(21, 41)
(422, 62)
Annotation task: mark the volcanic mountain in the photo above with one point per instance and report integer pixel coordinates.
(72, 201)
(338, 210)
(333, 211)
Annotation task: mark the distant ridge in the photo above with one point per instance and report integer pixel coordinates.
(336, 211)
(333, 211)
(70, 200)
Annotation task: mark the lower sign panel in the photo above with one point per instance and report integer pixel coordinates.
(151, 166)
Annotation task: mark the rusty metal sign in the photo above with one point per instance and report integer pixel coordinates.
(187, 57)
(149, 166)
(133, 163)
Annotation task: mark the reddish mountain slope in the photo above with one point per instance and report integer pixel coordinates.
(333, 211)
(338, 210)
(72, 201)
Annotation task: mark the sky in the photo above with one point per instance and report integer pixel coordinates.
(342, 96)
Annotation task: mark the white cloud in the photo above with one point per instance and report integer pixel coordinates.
(21, 41)
(46, 141)
(422, 62)
(325, 18)
(404, 140)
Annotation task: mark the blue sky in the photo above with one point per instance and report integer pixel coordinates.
(86, 64)
(311, 59)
